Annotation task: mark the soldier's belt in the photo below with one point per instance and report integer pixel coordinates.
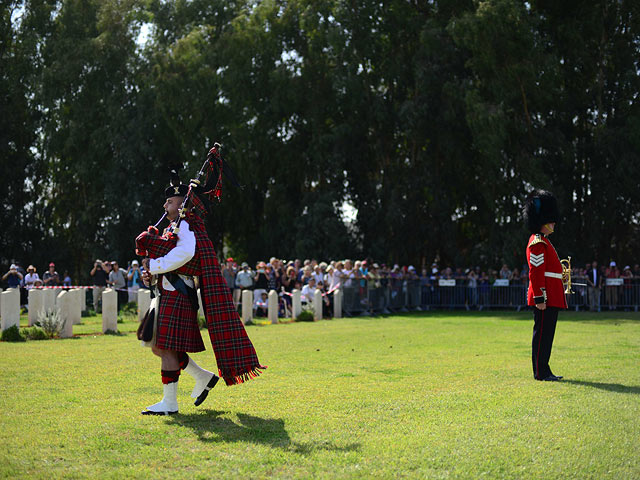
(553, 275)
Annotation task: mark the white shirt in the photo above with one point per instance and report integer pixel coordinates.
(184, 251)
(349, 274)
(307, 292)
(30, 279)
(335, 279)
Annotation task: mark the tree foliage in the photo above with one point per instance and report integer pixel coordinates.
(432, 119)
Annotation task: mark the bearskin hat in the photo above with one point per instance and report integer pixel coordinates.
(540, 208)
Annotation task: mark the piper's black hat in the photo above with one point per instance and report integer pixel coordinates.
(176, 189)
(540, 208)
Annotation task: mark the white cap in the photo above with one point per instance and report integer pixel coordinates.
(135, 262)
(13, 267)
(411, 268)
(612, 264)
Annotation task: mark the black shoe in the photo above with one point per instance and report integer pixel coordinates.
(551, 378)
(203, 395)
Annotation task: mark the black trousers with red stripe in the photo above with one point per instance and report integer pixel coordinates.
(544, 328)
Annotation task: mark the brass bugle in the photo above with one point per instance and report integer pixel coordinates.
(566, 274)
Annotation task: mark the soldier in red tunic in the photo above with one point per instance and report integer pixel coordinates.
(546, 290)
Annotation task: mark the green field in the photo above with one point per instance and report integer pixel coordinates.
(437, 395)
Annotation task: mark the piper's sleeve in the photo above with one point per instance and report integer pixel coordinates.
(536, 260)
(184, 251)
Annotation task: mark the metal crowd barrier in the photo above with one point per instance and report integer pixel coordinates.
(391, 295)
(402, 295)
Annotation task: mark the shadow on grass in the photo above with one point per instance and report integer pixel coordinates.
(211, 427)
(610, 387)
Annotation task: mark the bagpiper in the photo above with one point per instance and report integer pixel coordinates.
(172, 262)
(546, 290)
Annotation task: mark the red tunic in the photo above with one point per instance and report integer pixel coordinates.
(545, 272)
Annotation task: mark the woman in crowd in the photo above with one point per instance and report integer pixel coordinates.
(260, 281)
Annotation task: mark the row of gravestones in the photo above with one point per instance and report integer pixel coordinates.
(71, 304)
(296, 305)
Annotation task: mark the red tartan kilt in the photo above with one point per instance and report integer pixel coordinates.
(178, 324)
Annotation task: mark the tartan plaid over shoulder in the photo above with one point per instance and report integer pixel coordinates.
(236, 357)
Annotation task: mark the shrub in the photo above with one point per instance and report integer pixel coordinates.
(129, 309)
(51, 322)
(88, 313)
(34, 333)
(13, 334)
(305, 316)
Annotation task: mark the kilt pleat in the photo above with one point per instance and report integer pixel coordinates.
(178, 327)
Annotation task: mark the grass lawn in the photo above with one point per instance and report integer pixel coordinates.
(434, 395)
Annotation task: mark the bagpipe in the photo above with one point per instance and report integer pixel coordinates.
(202, 190)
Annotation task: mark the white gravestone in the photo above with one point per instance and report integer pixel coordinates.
(317, 304)
(296, 303)
(56, 292)
(0, 298)
(337, 303)
(49, 299)
(64, 303)
(247, 306)
(273, 306)
(83, 300)
(36, 304)
(10, 308)
(109, 310)
(75, 311)
(144, 301)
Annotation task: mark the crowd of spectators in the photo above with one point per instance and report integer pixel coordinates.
(103, 275)
(283, 276)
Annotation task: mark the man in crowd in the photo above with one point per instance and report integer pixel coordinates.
(229, 274)
(118, 282)
(13, 277)
(31, 277)
(100, 278)
(546, 289)
(134, 280)
(308, 291)
(244, 278)
(594, 282)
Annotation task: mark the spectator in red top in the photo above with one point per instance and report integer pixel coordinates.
(611, 291)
